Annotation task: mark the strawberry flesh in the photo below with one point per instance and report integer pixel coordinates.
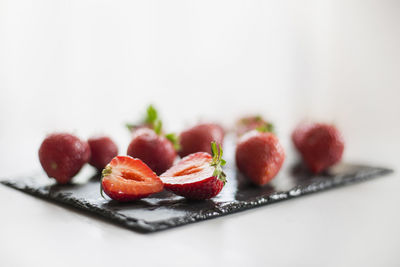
(127, 179)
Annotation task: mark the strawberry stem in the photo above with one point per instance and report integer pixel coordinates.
(218, 162)
(101, 190)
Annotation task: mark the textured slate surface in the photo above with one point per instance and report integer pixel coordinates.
(166, 210)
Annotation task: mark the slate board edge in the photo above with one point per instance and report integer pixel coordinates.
(230, 208)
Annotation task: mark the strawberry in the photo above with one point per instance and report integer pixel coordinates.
(103, 150)
(62, 155)
(127, 179)
(150, 144)
(197, 176)
(259, 155)
(246, 124)
(154, 149)
(320, 145)
(199, 137)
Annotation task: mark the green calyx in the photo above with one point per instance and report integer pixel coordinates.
(106, 171)
(218, 162)
(174, 139)
(266, 128)
(131, 126)
(152, 115)
(154, 122)
(150, 119)
(157, 127)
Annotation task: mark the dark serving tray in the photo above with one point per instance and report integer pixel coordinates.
(166, 210)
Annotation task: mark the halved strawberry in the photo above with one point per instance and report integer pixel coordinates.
(198, 175)
(126, 179)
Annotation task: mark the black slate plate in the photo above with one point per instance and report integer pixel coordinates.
(166, 210)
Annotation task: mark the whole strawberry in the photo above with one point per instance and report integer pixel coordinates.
(320, 145)
(103, 150)
(62, 155)
(197, 176)
(199, 137)
(152, 148)
(259, 156)
(246, 124)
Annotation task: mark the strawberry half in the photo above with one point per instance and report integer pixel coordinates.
(126, 179)
(197, 176)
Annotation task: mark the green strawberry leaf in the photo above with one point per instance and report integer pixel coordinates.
(131, 126)
(174, 139)
(157, 127)
(150, 119)
(106, 171)
(266, 128)
(152, 115)
(217, 162)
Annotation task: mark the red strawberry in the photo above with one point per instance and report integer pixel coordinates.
(246, 124)
(62, 155)
(199, 137)
(103, 150)
(127, 179)
(155, 150)
(259, 156)
(320, 145)
(197, 176)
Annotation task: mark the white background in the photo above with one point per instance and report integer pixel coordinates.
(90, 66)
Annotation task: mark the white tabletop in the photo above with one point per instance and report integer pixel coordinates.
(89, 67)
